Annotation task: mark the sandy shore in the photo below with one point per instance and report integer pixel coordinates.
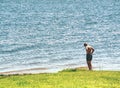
(25, 71)
(33, 71)
(43, 70)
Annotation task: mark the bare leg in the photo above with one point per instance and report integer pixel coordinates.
(89, 65)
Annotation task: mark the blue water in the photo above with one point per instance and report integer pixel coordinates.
(51, 33)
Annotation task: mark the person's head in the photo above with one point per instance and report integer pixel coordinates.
(85, 44)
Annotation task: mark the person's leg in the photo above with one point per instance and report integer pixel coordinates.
(89, 59)
(89, 65)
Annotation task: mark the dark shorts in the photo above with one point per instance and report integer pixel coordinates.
(88, 57)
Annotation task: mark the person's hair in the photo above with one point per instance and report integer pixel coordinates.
(85, 44)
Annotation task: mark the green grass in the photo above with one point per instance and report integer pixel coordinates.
(71, 78)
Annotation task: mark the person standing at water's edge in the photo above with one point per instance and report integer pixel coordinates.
(89, 52)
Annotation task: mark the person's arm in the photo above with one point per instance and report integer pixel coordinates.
(92, 50)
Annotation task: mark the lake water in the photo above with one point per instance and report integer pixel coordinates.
(50, 34)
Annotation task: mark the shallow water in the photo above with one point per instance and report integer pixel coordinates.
(50, 34)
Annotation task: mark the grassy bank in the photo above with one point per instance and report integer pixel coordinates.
(73, 78)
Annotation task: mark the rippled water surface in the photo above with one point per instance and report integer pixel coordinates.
(50, 34)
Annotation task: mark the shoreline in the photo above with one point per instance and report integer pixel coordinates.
(24, 71)
(45, 70)
(78, 77)
(37, 71)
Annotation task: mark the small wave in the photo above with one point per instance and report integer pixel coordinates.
(24, 48)
(60, 60)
